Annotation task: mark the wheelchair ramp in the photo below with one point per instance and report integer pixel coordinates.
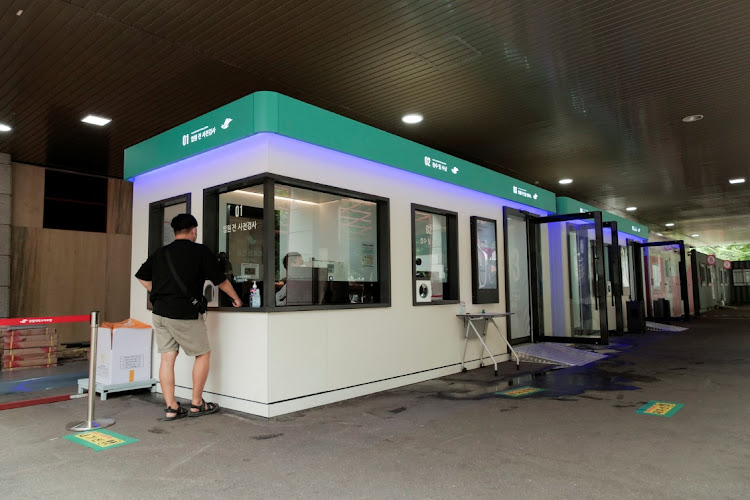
(546, 352)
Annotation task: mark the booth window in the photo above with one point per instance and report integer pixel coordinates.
(160, 232)
(160, 215)
(302, 245)
(434, 255)
(484, 283)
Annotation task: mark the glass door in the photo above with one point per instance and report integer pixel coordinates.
(662, 278)
(517, 289)
(614, 276)
(568, 278)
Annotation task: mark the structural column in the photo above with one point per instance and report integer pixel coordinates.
(5, 207)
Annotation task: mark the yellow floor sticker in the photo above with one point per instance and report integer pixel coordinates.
(521, 391)
(100, 440)
(660, 408)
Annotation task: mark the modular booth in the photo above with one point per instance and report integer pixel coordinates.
(354, 251)
(587, 266)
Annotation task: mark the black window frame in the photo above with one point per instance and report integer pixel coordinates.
(156, 226)
(482, 295)
(452, 284)
(269, 180)
(156, 218)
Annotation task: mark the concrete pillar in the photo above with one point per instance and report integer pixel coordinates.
(5, 203)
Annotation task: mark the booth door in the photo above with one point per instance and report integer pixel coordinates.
(662, 278)
(517, 291)
(568, 281)
(614, 277)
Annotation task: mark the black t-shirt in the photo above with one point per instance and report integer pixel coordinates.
(194, 264)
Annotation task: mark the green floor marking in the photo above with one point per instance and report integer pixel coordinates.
(660, 408)
(520, 391)
(100, 440)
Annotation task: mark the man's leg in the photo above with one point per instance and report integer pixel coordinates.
(166, 377)
(200, 374)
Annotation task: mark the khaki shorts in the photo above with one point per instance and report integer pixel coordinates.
(190, 334)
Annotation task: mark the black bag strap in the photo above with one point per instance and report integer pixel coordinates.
(176, 277)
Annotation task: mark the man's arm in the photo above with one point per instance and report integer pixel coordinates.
(226, 287)
(146, 284)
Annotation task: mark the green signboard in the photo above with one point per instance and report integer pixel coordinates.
(276, 113)
(570, 206)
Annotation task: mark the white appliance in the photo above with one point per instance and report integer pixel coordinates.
(424, 290)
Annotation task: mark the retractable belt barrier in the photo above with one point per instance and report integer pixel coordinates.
(90, 423)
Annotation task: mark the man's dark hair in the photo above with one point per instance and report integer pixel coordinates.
(290, 254)
(183, 222)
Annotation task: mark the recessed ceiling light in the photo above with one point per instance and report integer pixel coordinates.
(96, 120)
(5, 128)
(412, 118)
(694, 235)
(692, 118)
(631, 209)
(669, 224)
(565, 181)
(739, 180)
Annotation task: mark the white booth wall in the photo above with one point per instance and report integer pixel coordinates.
(270, 363)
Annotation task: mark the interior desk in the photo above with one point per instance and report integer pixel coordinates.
(470, 320)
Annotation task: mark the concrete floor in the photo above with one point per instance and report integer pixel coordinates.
(581, 438)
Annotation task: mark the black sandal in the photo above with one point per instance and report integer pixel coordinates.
(178, 413)
(203, 409)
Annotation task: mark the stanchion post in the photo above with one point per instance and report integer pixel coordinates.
(90, 423)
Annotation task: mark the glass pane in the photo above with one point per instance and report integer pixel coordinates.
(326, 248)
(584, 301)
(169, 213)
(518, 278)
(486, 255)
(663, 270)
(241, 243)
(431, 235)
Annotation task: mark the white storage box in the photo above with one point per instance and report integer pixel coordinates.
(123, 352)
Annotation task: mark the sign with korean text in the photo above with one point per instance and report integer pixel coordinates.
(270, 112)
(520, 392)
(99, 440)
(660, 408)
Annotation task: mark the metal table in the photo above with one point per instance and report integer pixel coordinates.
(469, 320)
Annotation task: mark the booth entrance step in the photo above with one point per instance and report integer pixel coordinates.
(660, 327)
(557, 353)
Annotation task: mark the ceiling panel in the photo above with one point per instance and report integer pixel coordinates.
(594, 91)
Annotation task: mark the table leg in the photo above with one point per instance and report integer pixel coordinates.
(466, 342)
(484, 346)
(518, 360)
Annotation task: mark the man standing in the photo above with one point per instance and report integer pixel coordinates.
(177, 322)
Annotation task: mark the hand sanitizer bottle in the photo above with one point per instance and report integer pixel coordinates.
(254, 296)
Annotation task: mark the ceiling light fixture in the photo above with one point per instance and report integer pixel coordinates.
(669, 224)
(96, 120)
(5, 128)
(631, 209)
(739, 180)
(694, 235)
(412, 118)
(692, 118)
(565, 181)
